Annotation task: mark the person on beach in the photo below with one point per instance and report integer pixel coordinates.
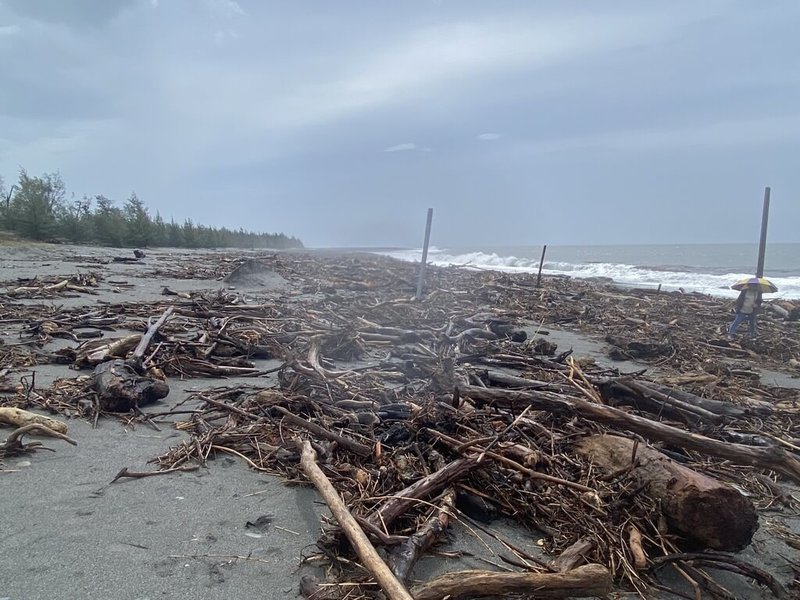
(747, 305)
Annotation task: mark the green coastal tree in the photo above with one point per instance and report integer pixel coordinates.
(39, 210)
(77, 222)
(37, 205)
(174, 235)
(138, 224)
(109, 224)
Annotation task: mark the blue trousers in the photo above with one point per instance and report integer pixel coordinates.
(741, 318)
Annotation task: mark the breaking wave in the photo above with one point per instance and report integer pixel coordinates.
(712, 281)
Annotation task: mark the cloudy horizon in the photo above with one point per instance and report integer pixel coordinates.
(341, 123)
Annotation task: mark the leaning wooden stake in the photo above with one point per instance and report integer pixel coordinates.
(366, 552)
(581, 582)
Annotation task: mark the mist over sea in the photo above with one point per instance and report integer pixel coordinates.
(705, 268)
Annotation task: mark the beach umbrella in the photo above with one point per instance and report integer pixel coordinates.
(763, 283)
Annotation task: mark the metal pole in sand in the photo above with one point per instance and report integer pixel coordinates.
(541, 263)
(762, 244)
(422, 264)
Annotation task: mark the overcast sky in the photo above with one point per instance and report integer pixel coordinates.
(341, 122)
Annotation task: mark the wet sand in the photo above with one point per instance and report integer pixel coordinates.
(66, 533)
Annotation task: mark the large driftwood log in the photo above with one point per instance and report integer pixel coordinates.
(698, 506)
(120, 388)
(370, 558)
(581, 582)
(774, 459)
(20, 418)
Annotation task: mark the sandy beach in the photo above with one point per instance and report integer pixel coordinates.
(226, 530)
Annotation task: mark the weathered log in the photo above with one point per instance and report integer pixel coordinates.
(93, 353)
(14, 445)
(726, 409)
(120, 388)
(366, 552)
(663, 402)
(521, 382)
(774, 459)
(404, 499)
(698, 506)
(406, 555)
(352, 445)
(138, 354)
(20, 418)
(508, 462)
(573, 556)
(582, 582)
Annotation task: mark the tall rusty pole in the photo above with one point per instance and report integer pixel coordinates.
(762, 244)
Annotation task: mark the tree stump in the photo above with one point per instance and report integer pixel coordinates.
(698, 506)
(120, 388)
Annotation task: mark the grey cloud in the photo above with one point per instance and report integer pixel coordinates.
(74, 13)
(320, 123)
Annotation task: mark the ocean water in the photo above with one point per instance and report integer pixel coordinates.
(705, 268)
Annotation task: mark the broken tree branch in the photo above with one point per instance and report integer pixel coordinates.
(361, 544)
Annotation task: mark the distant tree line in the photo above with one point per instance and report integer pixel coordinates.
(37, 208)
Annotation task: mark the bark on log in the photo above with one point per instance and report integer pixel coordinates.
(120, 388)
(361, 544)
(774, 459)
(698, 506)
(582, 582)
(20, 418)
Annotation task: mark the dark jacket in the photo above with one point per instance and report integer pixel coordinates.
(740, 300)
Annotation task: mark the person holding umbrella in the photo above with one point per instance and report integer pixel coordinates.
(749, 301)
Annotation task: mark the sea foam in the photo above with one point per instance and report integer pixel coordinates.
(716, 284)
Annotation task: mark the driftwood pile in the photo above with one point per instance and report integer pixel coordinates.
(407, 415)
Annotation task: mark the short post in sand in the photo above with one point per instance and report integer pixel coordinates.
(424, 261)
(762, 244)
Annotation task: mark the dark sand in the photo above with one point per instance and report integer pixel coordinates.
(67, 534)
